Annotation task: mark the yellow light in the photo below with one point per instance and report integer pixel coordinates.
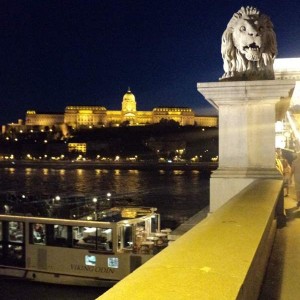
(174, 113)
(85, 111)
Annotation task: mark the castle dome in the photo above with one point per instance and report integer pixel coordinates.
(129, 96)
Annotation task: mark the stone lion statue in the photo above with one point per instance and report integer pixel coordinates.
(249, 46)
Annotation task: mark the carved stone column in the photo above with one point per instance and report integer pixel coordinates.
(247, 115)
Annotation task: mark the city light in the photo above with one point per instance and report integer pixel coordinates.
(95, 200)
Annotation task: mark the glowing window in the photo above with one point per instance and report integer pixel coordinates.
(15, 230)
(38, 233)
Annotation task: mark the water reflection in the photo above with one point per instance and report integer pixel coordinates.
(28, 171)
(62, 172)
(176, 193)
(45, 171)
(11, 170)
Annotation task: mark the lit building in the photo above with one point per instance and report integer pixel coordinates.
(43, 119)
(99, 116)
(77, 147)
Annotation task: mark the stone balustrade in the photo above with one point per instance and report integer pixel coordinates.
(223, 257)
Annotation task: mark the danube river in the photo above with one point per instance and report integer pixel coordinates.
(178, 194)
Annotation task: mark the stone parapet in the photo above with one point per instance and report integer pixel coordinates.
(223, 257)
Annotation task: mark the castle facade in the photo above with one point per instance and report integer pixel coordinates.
(99, 116)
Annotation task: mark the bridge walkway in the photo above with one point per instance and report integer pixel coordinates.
(282, 280)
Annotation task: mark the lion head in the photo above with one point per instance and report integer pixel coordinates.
(248, 46)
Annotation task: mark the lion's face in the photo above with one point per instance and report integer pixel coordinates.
(248, 46)
(248, 38)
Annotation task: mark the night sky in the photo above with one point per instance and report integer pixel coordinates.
(84, 52)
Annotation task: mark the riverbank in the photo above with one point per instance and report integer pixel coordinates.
(145, 165)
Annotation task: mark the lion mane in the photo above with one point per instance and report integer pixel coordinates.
(249, 46)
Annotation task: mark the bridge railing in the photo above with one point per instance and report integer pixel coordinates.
(223, 257)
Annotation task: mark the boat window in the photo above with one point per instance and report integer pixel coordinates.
(104, 239)
(15, 255)
(84, 237)
(15, 231)
(12, 249)
(155, 221)
(57, 235)
(126, 237)
(92, 238)
(38, 233)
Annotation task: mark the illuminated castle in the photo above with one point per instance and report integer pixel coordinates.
(99, 116)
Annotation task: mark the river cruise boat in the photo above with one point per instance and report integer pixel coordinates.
(97, 250)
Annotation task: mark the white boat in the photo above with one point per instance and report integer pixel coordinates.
(98, 250)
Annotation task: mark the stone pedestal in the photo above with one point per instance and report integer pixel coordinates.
(247, 115)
